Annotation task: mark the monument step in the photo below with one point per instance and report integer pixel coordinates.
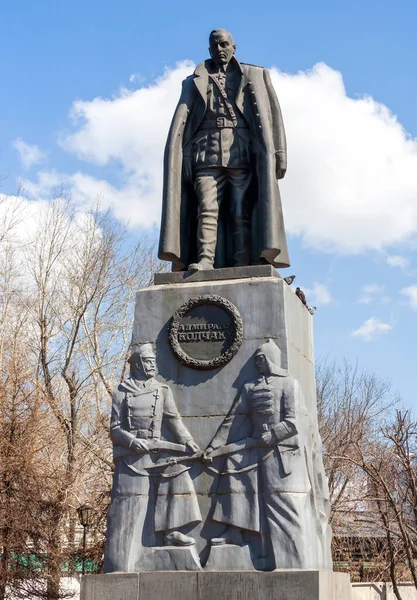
(216, 585)
(216, 274)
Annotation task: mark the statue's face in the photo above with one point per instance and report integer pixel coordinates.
(261, 363)
(221, 48)
(149, 366)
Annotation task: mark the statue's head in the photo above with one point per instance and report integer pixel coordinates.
(268, 360)
(261, 362)
(222, 46)
(142, 361)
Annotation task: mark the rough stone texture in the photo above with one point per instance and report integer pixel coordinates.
(216, 274)
(170, 558)
(228, 557)
(120, 586)
(270, 310)
(210, 585)
(168, 586)
(233, 586)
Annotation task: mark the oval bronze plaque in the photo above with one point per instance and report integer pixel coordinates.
(206, 332)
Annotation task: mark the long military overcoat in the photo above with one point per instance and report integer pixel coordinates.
(257, 101)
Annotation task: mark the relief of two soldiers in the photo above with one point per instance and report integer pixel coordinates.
(151, 505)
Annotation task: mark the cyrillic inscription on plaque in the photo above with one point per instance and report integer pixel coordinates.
(206, 332)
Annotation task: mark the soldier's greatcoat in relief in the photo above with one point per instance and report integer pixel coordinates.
(145, 504)
(267, 490)
(258, 106)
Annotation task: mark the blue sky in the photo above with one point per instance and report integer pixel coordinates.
(350, 194)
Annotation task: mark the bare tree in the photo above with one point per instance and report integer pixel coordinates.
(353, 405)
(370, 453)
(75, 277)
(390, 466)
(12, 213)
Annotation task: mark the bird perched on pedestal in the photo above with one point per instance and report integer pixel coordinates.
(300, 294)
(289, 280)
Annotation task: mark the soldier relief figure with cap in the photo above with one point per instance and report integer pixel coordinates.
(149, 505)
(226, 148)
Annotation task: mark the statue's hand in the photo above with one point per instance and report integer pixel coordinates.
(139, 445)
(206, 458)
(267, 439)
(280, 173)
(187, 167)
(193, 446)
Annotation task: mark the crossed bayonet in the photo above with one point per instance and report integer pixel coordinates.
(244, 444)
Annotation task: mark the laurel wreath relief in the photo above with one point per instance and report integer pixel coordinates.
(218, 361)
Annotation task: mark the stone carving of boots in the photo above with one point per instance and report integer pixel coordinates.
(176, 538)
(232, 535)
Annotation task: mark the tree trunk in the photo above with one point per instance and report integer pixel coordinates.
(54, 556)
(4, 565)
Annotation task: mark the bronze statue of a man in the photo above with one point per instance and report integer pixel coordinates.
(226, 148)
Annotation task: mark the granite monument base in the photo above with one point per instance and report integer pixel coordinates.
(213, 585)
(269, 503)
(229, 557)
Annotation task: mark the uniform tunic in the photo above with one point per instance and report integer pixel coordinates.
(222, 141)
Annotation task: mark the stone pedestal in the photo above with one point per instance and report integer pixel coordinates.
(291, 530)
(229, 557)
(269, 310)
(217, 585)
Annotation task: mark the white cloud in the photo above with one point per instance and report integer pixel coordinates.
(318, 295)
(411, 293)
(372, 328)
(30, 155)
(130, 129)
(373, 288)
(398, 261)
(348, 158)
(126, 203)
(136, 78)
(369, 292)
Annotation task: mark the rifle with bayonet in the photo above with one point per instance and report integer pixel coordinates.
(245, 444)
(154, 446)
(239, 446)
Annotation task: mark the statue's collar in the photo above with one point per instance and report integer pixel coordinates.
(137, 386)
(207, 66)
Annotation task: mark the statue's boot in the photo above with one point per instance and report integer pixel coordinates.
(206, 240)
(232, 535)
(204, 264)
(176, 538)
